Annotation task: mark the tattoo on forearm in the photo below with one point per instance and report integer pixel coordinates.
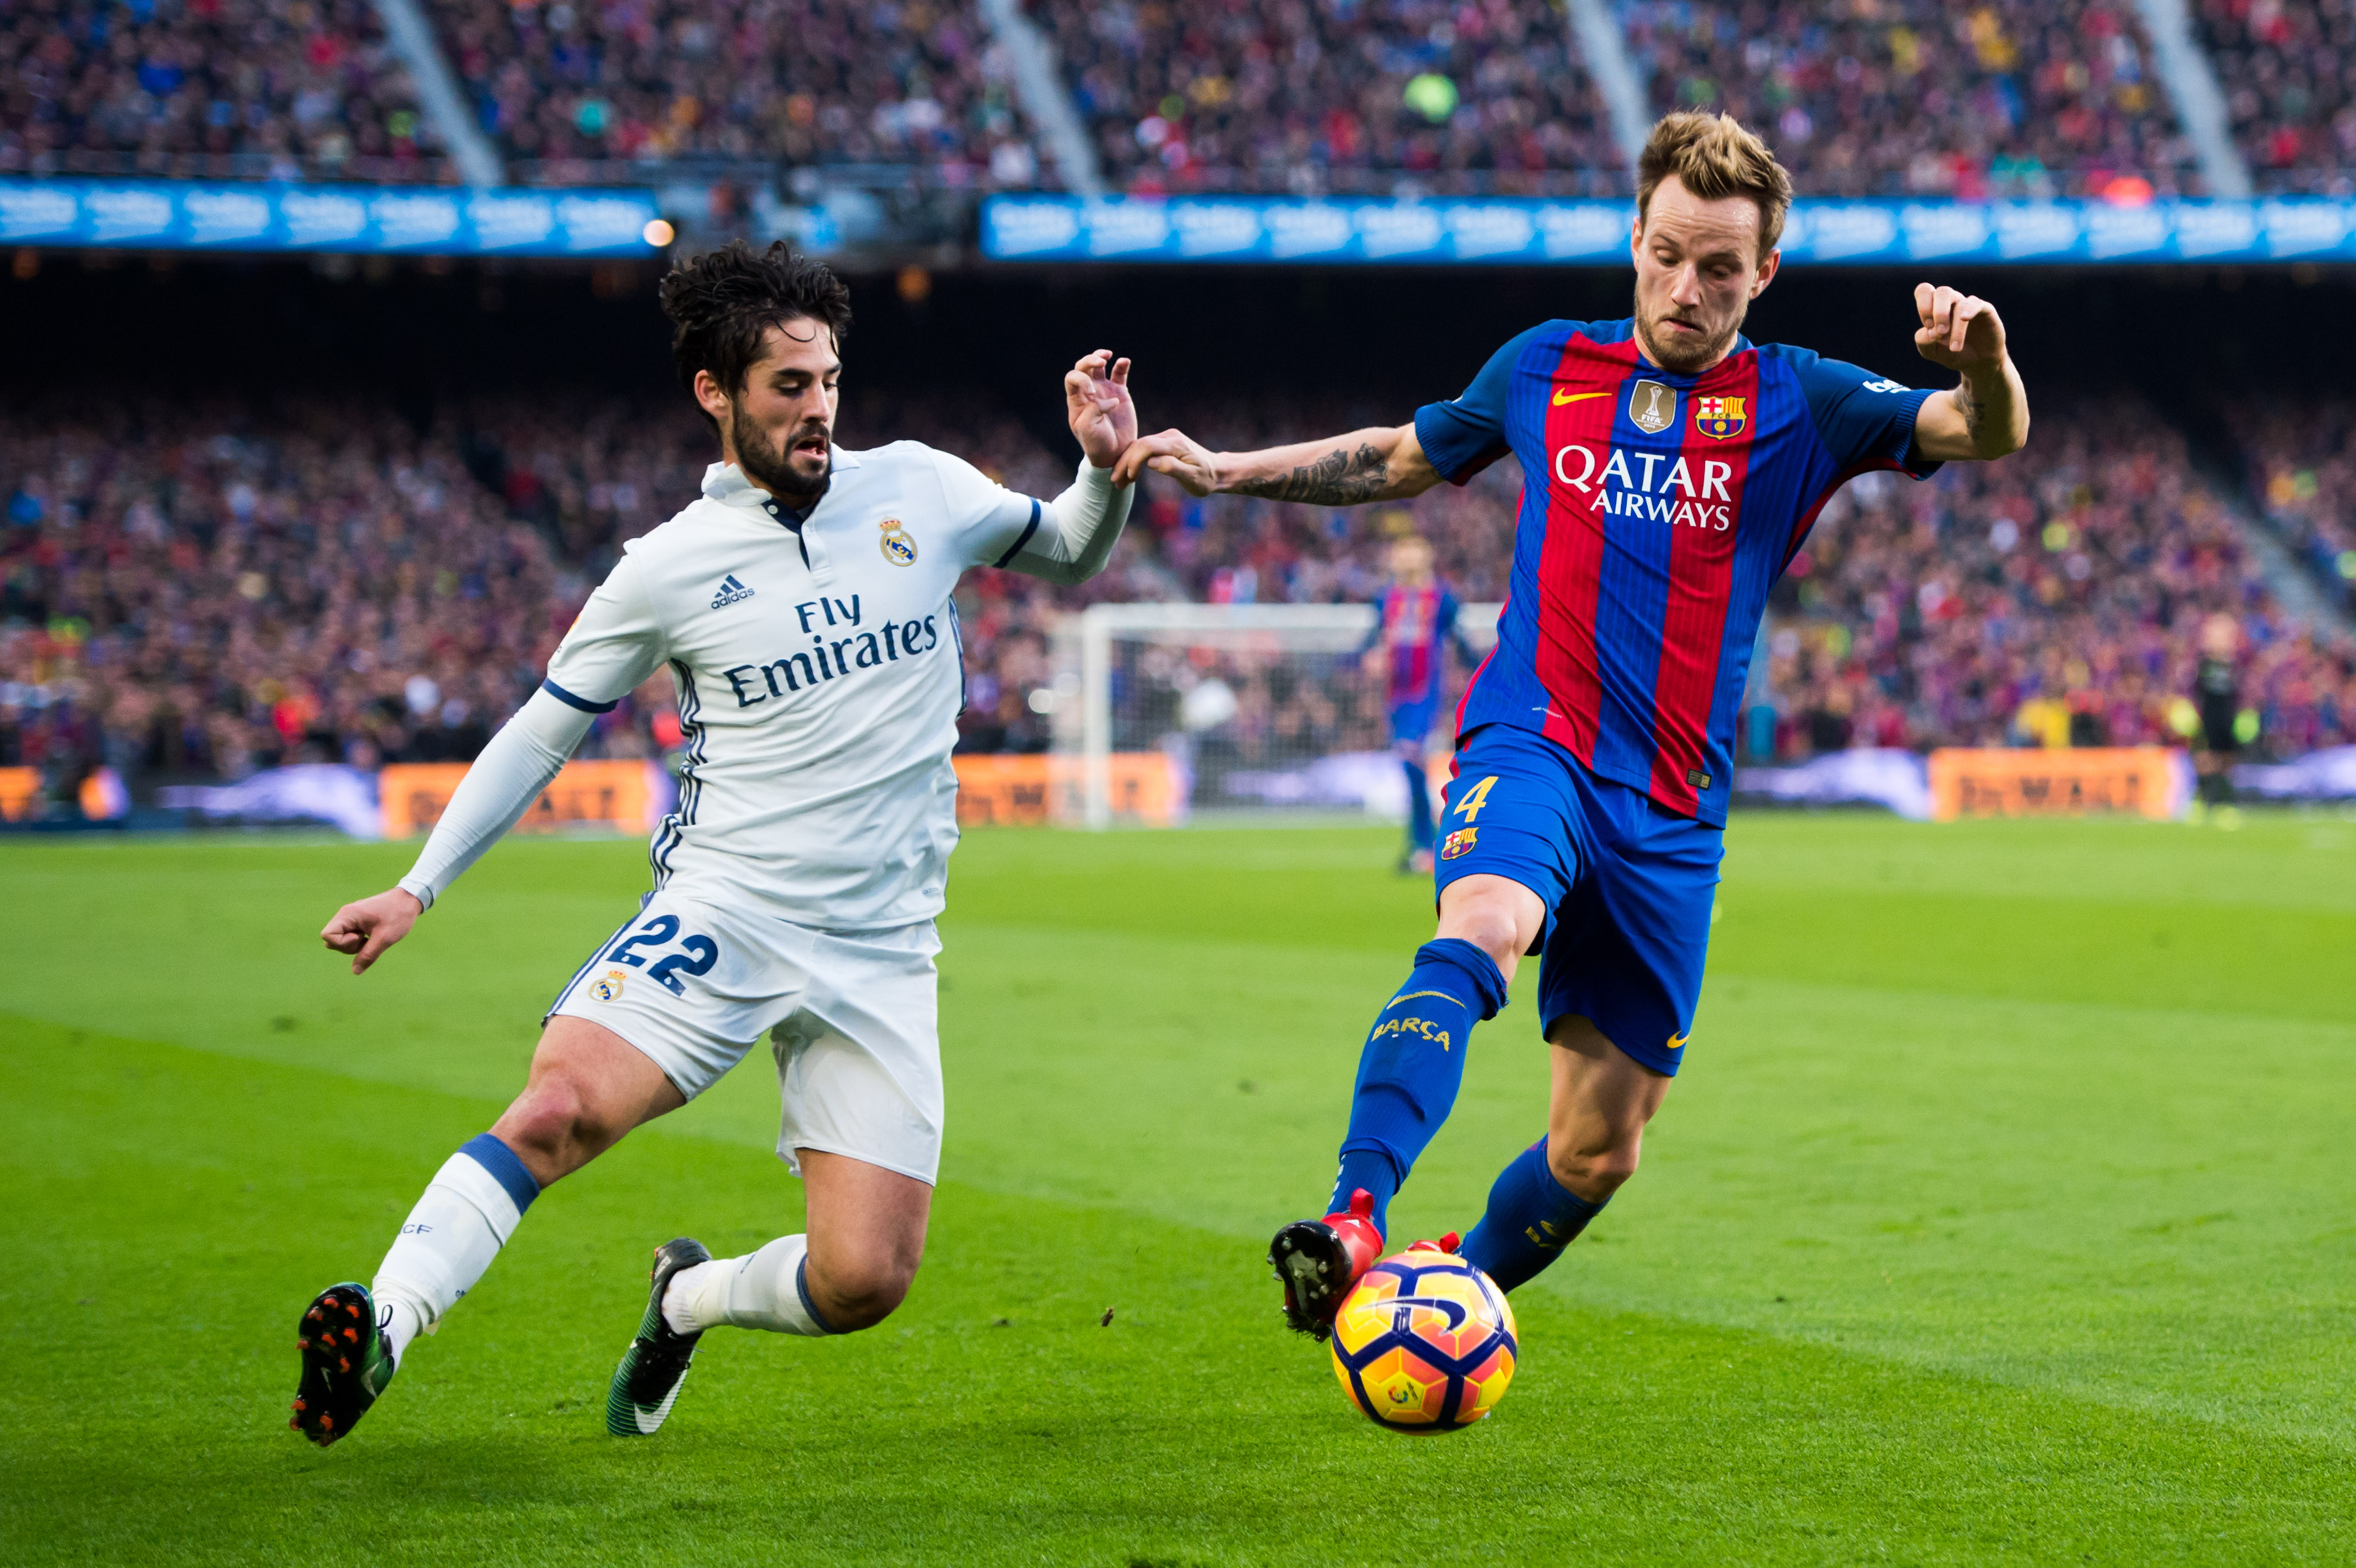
(1338, 478)
(1968, 404)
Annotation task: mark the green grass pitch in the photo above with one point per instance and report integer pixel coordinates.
(2005, 1213)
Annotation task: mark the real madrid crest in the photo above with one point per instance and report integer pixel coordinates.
(607, 987)
(1652, 407)
(898, 548)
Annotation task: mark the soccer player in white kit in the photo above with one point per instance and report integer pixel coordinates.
(803, 606)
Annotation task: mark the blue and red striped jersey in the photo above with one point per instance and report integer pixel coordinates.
(1411, 625)
(1657, 510)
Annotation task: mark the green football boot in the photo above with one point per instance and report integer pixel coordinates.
(346, 1362)
(647, 1383)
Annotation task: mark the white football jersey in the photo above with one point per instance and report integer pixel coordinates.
(820, 679)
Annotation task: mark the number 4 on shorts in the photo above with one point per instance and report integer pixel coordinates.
(1468, 808)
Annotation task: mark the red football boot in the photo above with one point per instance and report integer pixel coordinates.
(1317, 1260)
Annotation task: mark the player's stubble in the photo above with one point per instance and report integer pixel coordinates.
(1686, 359)
(773, 468)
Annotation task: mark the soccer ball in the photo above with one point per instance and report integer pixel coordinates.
(1424, 1342)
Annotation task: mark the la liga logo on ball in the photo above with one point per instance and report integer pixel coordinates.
(1425, 1342)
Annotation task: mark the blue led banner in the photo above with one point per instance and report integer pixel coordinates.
(353, 219)
(1492, 230)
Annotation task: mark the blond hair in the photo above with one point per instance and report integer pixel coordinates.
(1715, 158)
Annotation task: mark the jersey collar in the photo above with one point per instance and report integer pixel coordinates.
(726, 483)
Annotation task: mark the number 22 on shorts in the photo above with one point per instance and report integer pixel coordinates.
(701, 953)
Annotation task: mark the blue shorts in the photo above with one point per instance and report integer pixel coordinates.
(1628, 887)
(1411, 722)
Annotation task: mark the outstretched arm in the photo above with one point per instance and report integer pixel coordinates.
(1074, 534)
(615, 644)
(1371, 465)
(1985, 415)
(494, 795)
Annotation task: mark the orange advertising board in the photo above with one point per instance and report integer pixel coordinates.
(2142, 781)
(991, 790)
(20, 789)
(413, 795)
(1041, 788)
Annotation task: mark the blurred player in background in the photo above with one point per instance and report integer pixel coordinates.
(2218, 695)
(803, 606)
(1415, 623)
(1671, 470)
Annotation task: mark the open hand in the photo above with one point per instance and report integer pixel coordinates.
(1097, 401)
(365, 928)
(1961, 331)
(1173, 453)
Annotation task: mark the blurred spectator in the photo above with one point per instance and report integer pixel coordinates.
(1312, 96)
(2286, 66)
(2004, 98)
(2054, 598)
(2302, 466)
(564, 86)
(208, 88)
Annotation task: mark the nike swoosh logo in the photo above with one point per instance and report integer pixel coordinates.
(1561, 398)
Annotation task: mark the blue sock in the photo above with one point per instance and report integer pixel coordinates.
(1531, 1219)
(1413, 1066)
(1419, 830)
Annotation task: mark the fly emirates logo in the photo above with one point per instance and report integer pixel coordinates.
(1658, 487)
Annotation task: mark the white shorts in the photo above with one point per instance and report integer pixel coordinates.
(854, 1019)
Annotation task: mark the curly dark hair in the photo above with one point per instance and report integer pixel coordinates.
(722, 303)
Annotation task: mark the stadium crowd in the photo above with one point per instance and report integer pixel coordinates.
(203, 591)
(2055, 598)
(208, 88)
(1998, 98)
(2302, 456)
(566, 87)
(2289, 72)
(1314, 96)
(2005, 98)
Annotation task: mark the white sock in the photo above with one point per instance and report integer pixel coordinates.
(759, 1289)
(467, 1214)
(400, 1318)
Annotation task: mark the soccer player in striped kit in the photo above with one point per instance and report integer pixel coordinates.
(1672, 470)
(1415, 625)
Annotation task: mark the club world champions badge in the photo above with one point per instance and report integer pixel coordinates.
(898, 548)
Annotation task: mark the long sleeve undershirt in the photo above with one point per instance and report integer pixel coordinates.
(501, 785)
(1077, 530)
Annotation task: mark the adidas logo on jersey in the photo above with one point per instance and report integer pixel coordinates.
(731, 590)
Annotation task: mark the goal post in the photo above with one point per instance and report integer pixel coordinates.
(1254, 708)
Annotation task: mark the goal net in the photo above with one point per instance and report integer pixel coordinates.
(1168, 712)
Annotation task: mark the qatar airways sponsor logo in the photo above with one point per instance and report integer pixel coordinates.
(1653, 485)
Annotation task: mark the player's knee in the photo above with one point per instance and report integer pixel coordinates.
(1489, 923)
(1595, 1168)
(554, 1118)
(860, 1293)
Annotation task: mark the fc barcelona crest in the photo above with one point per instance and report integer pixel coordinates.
(898, 548)
(1719, 418)
(1652, 407)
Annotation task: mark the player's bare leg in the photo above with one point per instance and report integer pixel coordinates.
(1599, 1102)
(587, 1088)
(1597, 1109)
(848, 1272)
(1407, 1078)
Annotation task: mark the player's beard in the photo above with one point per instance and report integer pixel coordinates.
(1685, 356)
(771, 468)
